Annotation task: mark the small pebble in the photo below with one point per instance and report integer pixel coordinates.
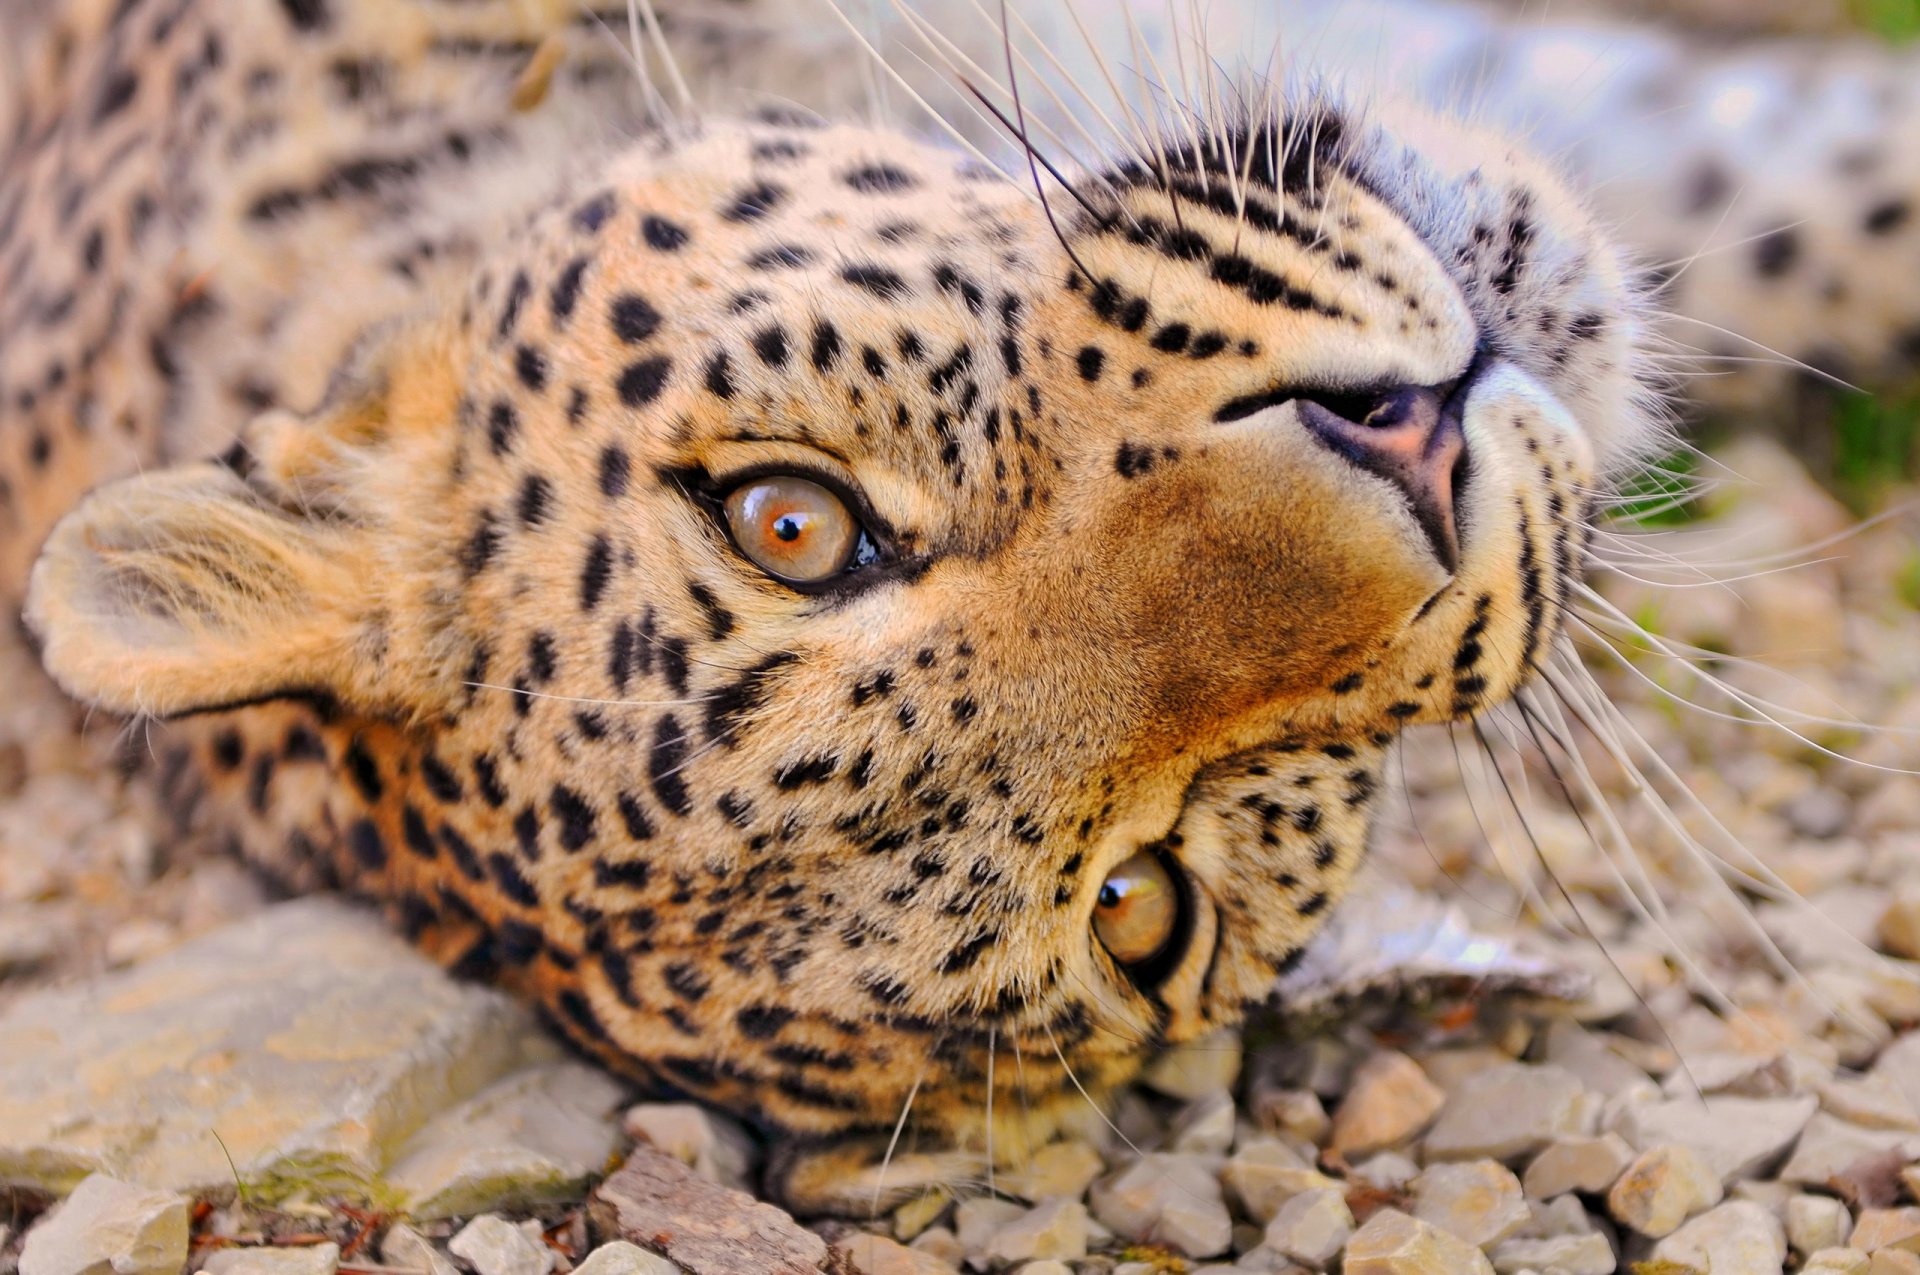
(1662, 1188)
(1815, 1222)
(1394, 1243)
(622, 1258)
(979, 1218)
(878, 1255)
(1389, 1100)
(1588, 1254)
(1059, 1168)
(494, 1246)
(404, 1246)
(1737, 1137)
(108, 1224)
(709, 1143)
(1838, 1261)
(1046, 1266)
(1829, 1146)
(1737, 1238)
(1196, 1069)
(1297, 1112)
(1583, 1164)
(1887, 1228)
(1311, 1227)
(1054, 1229)
(1265, 1174)
(1205, 1126)
(1479, 1201)
(1511, 1111)
(1166, 1199)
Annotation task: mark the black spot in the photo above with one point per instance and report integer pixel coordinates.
(719, 620)
(875, 179)
(121, 84)
(364, 771)
(1775, 252)
(754, 202)
(531, 367)
(575, 816)
(368, 846)
(685, 981)
(1884, 219)
(633, 874)
(594, 575)
(730, 705)
(761, 1022)
(665, 762)
(662, 235)
(720, 376)
(826, 345)
(306, 15)
(593, 214)
(566, 290)
(809, 770)
(613, 472)
(478, 550)
(634, 318)
(1348, 684)
(1091, 360)
(512, 882)
(771, 345)
(487, 775)
(536, 500)
(780, 256)
(1131, 461)
(1171, 339)
(878, 280)
(503, 422)
(642, 382)
(228, 751)
(516, 297)
(967, 954)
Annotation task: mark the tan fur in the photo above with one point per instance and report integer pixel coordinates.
(819, 856)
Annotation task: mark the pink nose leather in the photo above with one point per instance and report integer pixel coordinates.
(1410, 439)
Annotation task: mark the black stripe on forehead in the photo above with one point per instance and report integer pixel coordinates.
(1293, 152)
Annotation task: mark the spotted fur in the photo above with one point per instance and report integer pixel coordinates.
(451, 621)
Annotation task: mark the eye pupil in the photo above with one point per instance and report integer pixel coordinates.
(787, 528)
(1110, 895)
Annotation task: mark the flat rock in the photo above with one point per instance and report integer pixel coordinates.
(1479, 1201)
(1737, 1238)
(109, 1227)
(1055, 1229)
(1266, 1173)
(1887, 1228)
(1506, 1112)
(713, 1145)
(404, 1246)
(1394, 1243)
(297, 1048)
(1816, 1222)
(1197, 1068)
(1737, 1137)
(878, 1255)
(1059, 1168)
(705, 1227)
(534, 1138)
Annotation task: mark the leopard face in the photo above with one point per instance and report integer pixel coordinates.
(852, 639)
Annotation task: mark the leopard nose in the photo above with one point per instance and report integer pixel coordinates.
(1410, 436)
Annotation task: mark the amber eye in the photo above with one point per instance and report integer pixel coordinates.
(793, 528)
(1138, 909)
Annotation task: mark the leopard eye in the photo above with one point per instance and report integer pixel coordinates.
(1138, 909)
(794, 529)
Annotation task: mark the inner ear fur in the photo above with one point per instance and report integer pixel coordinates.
(216, 584)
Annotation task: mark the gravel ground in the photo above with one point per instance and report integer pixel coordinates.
(1738, 1091)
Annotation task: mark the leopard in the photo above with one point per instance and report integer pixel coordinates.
(868, 632)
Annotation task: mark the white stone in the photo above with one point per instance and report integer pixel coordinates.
(1394, 1243)
(1389, 1100)
(494, 1246)
(1588, 1254)
(1662, 1188)
(1511, 1111)
(1737, 1137)
(1737, 1238)
(1829, 1145)
(1205, 1126)
(1311, 1227)
(1056, 1229)
(1576, 1164)
(979, 1218)
(1479, 1201)
(1266, 1173)
(1165, 1199)
(1389, 1171)
(712, 1145)
(316, 1259)
(1838, 1261)
(1815, 1222)
(109, 1227)
(404, 1246)
(1046, 1266)
(622, 1258)
(1206, 1066)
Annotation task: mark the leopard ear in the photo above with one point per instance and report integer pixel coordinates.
(189, 589)
(275, 572)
